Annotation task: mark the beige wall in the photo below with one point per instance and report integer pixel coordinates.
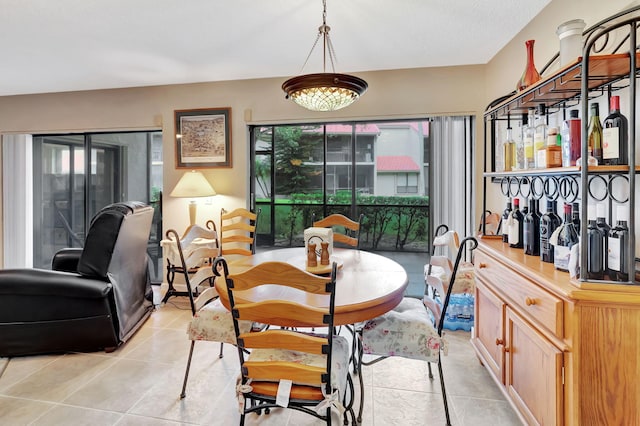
(391, 94)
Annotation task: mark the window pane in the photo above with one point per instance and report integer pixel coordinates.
(295, 151)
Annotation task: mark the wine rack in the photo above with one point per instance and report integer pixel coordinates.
(588, 77)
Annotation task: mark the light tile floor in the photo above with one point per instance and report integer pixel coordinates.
(139, 384)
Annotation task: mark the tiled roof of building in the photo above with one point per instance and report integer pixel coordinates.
(396, 163)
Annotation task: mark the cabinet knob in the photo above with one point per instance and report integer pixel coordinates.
(482, 265)
(499, 342)
(530, 301)
(506, 349)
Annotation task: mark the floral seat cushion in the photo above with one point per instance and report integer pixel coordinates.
(214, 323)
(406, 331)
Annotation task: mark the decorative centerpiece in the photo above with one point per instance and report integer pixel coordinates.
(318, 245)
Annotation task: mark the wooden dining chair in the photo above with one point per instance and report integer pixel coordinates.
(210, 320)
(409, 331)
(315, 365)
(345, 230)
(184, 252)
(238, 232)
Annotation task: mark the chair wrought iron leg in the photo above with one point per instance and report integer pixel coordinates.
(186, 373)
(444, 392)
(430, 372)
(360, 380)
(221, 354)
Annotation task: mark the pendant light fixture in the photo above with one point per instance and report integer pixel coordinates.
(324, 91)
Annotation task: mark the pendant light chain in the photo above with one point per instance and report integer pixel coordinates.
(327, 45)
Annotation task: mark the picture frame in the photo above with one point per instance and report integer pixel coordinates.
(203, 138)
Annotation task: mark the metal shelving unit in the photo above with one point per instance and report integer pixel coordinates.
(589, 77)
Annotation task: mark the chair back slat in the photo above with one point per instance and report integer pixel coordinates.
(276, 338)
(277, 370)
(280, 273)
(272, 312)
(238, 232)
(336, 221)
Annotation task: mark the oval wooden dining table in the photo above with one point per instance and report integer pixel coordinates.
(367, 284)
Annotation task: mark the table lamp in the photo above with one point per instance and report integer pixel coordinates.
(193, 185)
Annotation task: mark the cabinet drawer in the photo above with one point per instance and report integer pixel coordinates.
(536, 303)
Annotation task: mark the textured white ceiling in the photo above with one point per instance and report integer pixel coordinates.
(67, 45)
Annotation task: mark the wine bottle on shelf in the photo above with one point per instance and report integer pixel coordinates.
(575, 216)
(567, 237)
(509, 151)
(571, 142)
(532, 230)
(519, 163)
(603, 226)
(516, 228)
(618, 253)
(505, 221)
(615, 136)
(595, 133)
(595, 247)
(549, 221)
(540, 137)
(529, 154)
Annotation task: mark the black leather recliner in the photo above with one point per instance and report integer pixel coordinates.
(94, 299)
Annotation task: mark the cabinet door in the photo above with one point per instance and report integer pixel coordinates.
(533, 372)
(488, 330)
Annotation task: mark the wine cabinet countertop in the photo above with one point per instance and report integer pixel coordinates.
(555, 281)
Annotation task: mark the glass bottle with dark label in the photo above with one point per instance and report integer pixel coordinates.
(532, 230)
(549, 221)
(603, 226)
(618, 253)
(595, 247)
(567, 238)
(516, 228)
(615, 136)
(575, 216)
(505, 220)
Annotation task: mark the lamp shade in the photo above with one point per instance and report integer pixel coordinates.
(191, 185)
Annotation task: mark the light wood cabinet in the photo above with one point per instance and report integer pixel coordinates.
(563, 352)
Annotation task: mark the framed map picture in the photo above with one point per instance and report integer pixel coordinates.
(203, 138)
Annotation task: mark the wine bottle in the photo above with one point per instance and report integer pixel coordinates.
(516, 229)
(615, 136)
(575, 216)
(595, 247)
(505, 221)
(618, 253)
(509, 151)
(595, 133)
(549, 221)
(540, 137)
(532, 230)
(603, 226)
(519, 164)
(571, 134)
(529, 155)
(567, 237)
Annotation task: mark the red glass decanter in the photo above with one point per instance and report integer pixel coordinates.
(530, 74)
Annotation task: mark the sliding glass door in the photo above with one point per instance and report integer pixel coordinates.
(77, 175)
